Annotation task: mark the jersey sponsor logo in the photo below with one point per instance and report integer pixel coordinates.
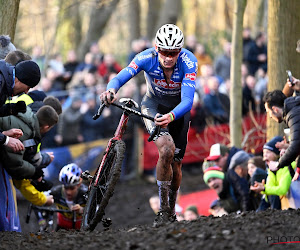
(191, 76)
(187, 60)
(133, 65)
(188, 84)
(142, 57)
(164, 84)
(130, 71)
(170, 93)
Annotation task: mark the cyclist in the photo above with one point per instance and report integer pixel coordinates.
(170, 73)
(69, 196)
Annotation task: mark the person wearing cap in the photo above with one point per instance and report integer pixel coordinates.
(221, 155)
(278, 182)
(232, 197)
(280, 108)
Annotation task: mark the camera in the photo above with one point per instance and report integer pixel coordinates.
(289, 74)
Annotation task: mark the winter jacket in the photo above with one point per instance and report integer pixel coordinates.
(6, 87)
(30, 192)
(291, 117)
(235, 193)
(15, 164)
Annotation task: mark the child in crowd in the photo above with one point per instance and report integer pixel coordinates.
(69, 196)
(216, 210)
(191, 213)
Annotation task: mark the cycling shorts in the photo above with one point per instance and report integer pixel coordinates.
(177, 129)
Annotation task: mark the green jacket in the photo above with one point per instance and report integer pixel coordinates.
(15, 165)
(278, 183)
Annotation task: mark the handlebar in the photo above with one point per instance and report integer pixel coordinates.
(127, 107)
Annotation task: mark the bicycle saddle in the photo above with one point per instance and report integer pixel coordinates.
(129, 100)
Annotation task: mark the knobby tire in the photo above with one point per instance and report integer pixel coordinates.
(99, 196)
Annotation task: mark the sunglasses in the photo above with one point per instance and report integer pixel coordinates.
(171, 53)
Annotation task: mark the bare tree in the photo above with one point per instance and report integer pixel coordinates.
(134, 20)
(152, 17)
(283, 33)
(100, 13)
(8, 17)
(236, 87)
(169, 12)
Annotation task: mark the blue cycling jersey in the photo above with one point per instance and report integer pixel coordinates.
(178, 94)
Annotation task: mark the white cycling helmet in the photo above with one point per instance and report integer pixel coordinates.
(169, 36)
(70, 175)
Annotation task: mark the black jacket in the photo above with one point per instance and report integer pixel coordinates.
(291, 116)
(6, 87)
(235, 193)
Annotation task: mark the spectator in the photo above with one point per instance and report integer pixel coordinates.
(257, 57)
(222, 63)
(280, 108)
(260, 89)
(33, 126)
(257, 173)
(191, 213)
(239, 163)
(216, 210)
(6, 46)
(278, 182)
(231, 197)
(190, 43)
(68, 128)
(198, 114)
(154, 202)
(91, 129)
(247, 43)
(70, 65)
(221, 155)
(216, 104)
(108, 66)
(88, 64)
(69, 196)
(248, 96)
(202, 57)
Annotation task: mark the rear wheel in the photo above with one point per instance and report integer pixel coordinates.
(99, 196)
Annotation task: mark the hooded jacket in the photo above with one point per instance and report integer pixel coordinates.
(6, 87)
(15, 164)
(291, 117)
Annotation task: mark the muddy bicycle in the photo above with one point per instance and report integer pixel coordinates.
(103, 182)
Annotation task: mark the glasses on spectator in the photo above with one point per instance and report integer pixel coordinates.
(167, 52)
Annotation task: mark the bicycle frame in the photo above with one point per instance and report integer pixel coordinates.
(118, 136)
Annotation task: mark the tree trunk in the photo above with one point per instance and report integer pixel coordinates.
(134, 20)
(283, 33)
(258, 25)
(8, 17)
(152, 17)
(235, 72)
(99, 17)
(169, 12)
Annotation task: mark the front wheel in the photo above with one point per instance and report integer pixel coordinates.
(99, 195)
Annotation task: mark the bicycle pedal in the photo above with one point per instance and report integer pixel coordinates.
(86, 175)
(106, 222)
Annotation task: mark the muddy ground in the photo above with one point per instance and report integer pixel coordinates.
(132, 226)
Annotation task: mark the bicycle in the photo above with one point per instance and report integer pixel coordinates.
(103, 182)
(45, 216)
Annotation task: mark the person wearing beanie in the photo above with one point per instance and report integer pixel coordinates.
(6, 46)
(233, 193)
(280, 108)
